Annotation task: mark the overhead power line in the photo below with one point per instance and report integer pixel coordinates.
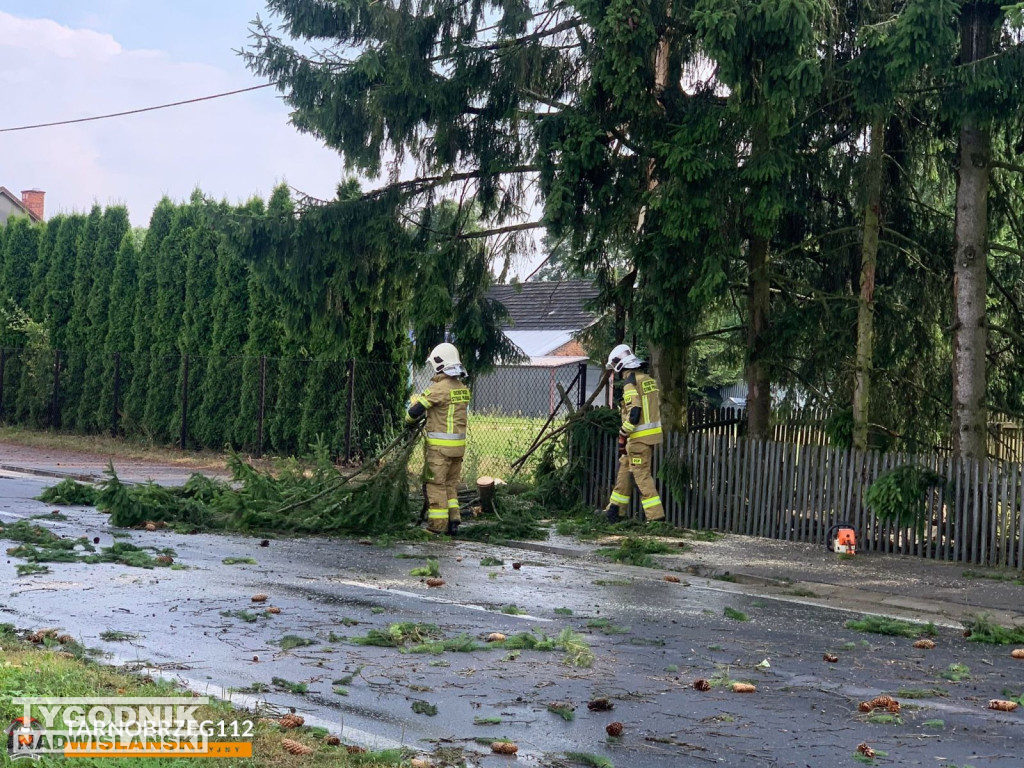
(136, 111)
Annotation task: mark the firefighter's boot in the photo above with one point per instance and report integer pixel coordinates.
(612, 514)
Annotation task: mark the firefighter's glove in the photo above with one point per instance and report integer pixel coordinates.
(414, 417)
(622, 445)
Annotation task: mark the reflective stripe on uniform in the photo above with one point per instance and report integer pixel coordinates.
(422, 400)
(446, 438)
(643, 430)
(627, 427)
(618, 498)
(453, 503)
(437, 514)
(654, 501)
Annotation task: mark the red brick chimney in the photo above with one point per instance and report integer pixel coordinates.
(33, 200)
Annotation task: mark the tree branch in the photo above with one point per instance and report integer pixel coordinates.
(1006, 166)
(1009, 333)
(1006, 294)
(712, 334)
(1002, 199)
(513, 43)
(502, 230)
(1006, 249)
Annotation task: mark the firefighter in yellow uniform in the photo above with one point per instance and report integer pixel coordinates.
(445, 404)
(639, 433)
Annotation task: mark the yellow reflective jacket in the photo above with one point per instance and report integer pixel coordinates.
(641, 391)
(447, 404)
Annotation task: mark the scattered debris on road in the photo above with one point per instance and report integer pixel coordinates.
(1002, 705)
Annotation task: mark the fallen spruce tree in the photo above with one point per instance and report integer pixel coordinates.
(311, 497)
(380, 497)
(298, 498)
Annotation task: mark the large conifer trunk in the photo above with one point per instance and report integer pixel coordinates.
(970, 251)
(866, 306)
(668, 365)
(758, 298)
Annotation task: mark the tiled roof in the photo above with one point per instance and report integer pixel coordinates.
(544, 306)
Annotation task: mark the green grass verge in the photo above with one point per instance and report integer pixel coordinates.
(31, 670)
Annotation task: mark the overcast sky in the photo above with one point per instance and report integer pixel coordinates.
(62, 59)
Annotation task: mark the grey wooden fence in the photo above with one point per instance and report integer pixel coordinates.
(798, 492)
(806, 426)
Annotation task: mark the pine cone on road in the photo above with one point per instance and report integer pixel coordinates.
(295, 747)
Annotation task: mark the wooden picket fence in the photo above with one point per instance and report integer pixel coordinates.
(806, 426)
(798, 492)
(1005, 437)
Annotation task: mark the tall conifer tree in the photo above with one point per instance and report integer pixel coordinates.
(78, 328)
(120, 341)
(20, 252)
(143, 324)
(114, 227)
(220, 395)
(163, 396)
(201, 253)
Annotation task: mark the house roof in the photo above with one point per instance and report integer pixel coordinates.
(537, 343)
(16, 201)
(554, 362)
(547, 306)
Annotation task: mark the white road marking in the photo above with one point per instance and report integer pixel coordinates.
(429, 599)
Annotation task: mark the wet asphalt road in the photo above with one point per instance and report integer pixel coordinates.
(660, 638)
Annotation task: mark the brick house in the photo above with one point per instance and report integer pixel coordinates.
(544, 319)
(31, 204)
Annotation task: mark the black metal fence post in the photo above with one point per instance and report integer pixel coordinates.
(55, 394)
(3, 367)
(115, 410)
(184, 402)
(581, 386)
(263, 405)
(351, 408)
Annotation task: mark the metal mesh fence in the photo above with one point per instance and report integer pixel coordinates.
(262, 405)
(510, 406)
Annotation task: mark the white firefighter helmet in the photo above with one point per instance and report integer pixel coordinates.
(622, 357)
(445, 358)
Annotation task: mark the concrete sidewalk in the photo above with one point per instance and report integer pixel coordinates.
(897, 585)
(904, 586)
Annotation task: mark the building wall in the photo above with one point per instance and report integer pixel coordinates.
(7, 210)
(572, 349)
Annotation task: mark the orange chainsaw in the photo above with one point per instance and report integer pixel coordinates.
(842, 539)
